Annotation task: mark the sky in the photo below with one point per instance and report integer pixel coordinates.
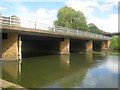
(103, 13)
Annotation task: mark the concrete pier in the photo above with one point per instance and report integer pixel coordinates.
(89, 45)
(10, 46)
(65, 46)
(105, 45)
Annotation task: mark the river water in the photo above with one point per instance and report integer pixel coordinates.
(83, 70)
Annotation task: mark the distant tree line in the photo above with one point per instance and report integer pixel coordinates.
(94, 29)
(68, 17)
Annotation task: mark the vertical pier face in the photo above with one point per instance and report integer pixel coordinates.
(89, 45)
(65, 46)
(10, 46)
(105, 45)
(19, 48)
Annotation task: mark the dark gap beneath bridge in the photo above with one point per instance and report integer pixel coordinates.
(40, 45)
(97, 46)
(77, 45)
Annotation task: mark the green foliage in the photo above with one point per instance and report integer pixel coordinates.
(68, 17)
(10, 87)
(115, 42)
(94, 29)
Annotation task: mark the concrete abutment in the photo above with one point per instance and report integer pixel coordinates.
(10, 46)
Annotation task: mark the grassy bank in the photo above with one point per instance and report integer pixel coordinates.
(8, 85)
(108, 53)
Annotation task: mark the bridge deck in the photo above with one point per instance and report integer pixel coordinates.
(31, 31)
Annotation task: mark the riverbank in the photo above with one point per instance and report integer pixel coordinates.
(6, 84)
(108, 53)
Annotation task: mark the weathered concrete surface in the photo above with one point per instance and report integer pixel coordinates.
(105, 45)
(108, 44)
(89, 45)
(10, 47)
(65, 46)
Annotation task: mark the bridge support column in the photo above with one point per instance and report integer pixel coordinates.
(105, 45)
(10, 47)
(65, 46)
(19, 48)
(89, 45)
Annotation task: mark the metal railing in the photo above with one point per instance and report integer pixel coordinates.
(40, 26)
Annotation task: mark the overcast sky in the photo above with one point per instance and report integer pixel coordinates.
(103, 13)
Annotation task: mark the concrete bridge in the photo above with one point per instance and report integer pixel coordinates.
(22, 38)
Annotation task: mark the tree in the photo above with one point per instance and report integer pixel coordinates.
(68, 17)
(94, 29)
(115, 42)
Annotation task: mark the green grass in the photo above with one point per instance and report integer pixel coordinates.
(109, 53)
(10, 87)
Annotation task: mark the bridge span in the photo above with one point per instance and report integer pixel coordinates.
(24, 38)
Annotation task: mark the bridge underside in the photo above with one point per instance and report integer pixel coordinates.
(39, 45)
(77, 45)
(16, 45)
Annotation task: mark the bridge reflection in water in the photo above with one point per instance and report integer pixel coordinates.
(61, 71)
(44, 70)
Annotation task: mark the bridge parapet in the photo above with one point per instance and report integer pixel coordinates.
(14, 22)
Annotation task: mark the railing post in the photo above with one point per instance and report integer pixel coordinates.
(67, 30)
(53, 28)
(35, 25)
(10, 21)
(77, 32)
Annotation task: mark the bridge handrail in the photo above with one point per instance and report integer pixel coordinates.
(40, 26)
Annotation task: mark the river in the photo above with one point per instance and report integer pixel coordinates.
(77, 70)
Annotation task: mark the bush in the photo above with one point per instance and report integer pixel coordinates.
(115, 43)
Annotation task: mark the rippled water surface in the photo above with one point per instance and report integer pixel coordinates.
(84, 70)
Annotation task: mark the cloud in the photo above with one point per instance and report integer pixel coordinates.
(109, 25)
(2, 8)
(111, 65)
(42, 15)
(33, 0)
(109, 5)
(85, 6)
